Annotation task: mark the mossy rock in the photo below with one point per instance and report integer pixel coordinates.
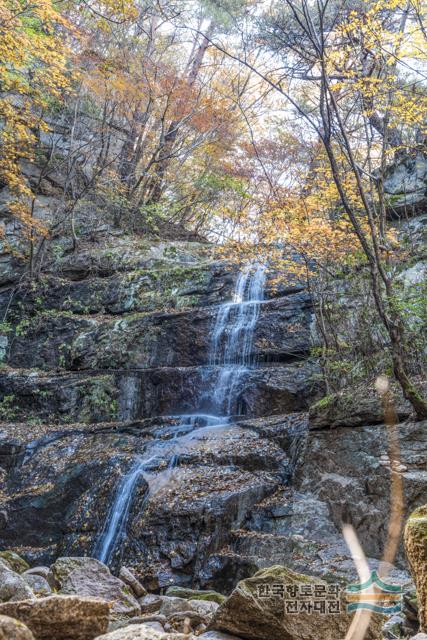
(16, 563)
(194, 594)
(416, 550)
(250, 613)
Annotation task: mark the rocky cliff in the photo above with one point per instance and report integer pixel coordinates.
(102, 355)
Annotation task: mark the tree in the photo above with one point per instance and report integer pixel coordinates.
(338, 68)
(33, 76)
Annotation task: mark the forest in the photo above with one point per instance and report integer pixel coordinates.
(213, 309)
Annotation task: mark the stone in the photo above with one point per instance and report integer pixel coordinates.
(61, 617)
(419, 636)
(204, 607)
(141, 632)
(16, 563)
(155, 625)
(194, 594)
(38, 584)
(217, 635)
(170, 606)
(405, 185)
(245, 614)
(150, 603)
(393, 628)
(12, 586)
(43, 572)
(38, 571)
(128, 578)
(89, 577)
(415, 537)
(11, 629)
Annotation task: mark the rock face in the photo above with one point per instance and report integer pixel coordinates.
(251, 614)
(88, 577)
(60, 617)
(112, 347)
(405, 184)
(11, 629)
(416, 550)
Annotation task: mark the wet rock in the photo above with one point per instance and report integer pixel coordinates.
(89, 577)
(12, 586)
(247, 614)
(38, 584)
(192, 517)
(166, 339)
(416, 551)
(11, 629)
(61, 617)
(194, 594)
(150, 603)
(128, 578)
(16, 563)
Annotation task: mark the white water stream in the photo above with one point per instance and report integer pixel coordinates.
(230, 357)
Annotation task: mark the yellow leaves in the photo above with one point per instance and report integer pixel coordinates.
(32, 72)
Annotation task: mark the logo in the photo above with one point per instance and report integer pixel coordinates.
(374, 595)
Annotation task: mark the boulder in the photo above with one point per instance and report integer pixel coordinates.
(89, 577)
(170, 606)
(393, 628)
(38, 584)
(43, 572)
(194, 594)
(60, 617)
(38, 571)
(11, 629)
(217, 635)
(416, 550)
(150, 603)
(157, 626)
(419, 636)
(250, 614)
(141, 632)
(204, 607)
(12, 586)
(15, 562)
(128, 578)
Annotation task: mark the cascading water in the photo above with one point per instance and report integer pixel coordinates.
(230, 357)
(232, 339)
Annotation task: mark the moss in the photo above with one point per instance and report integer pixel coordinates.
(323, 403)
(193, 594)
(15, 562)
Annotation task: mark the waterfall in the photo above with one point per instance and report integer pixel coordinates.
(118, 515)
(230, 357)
(232, 338)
